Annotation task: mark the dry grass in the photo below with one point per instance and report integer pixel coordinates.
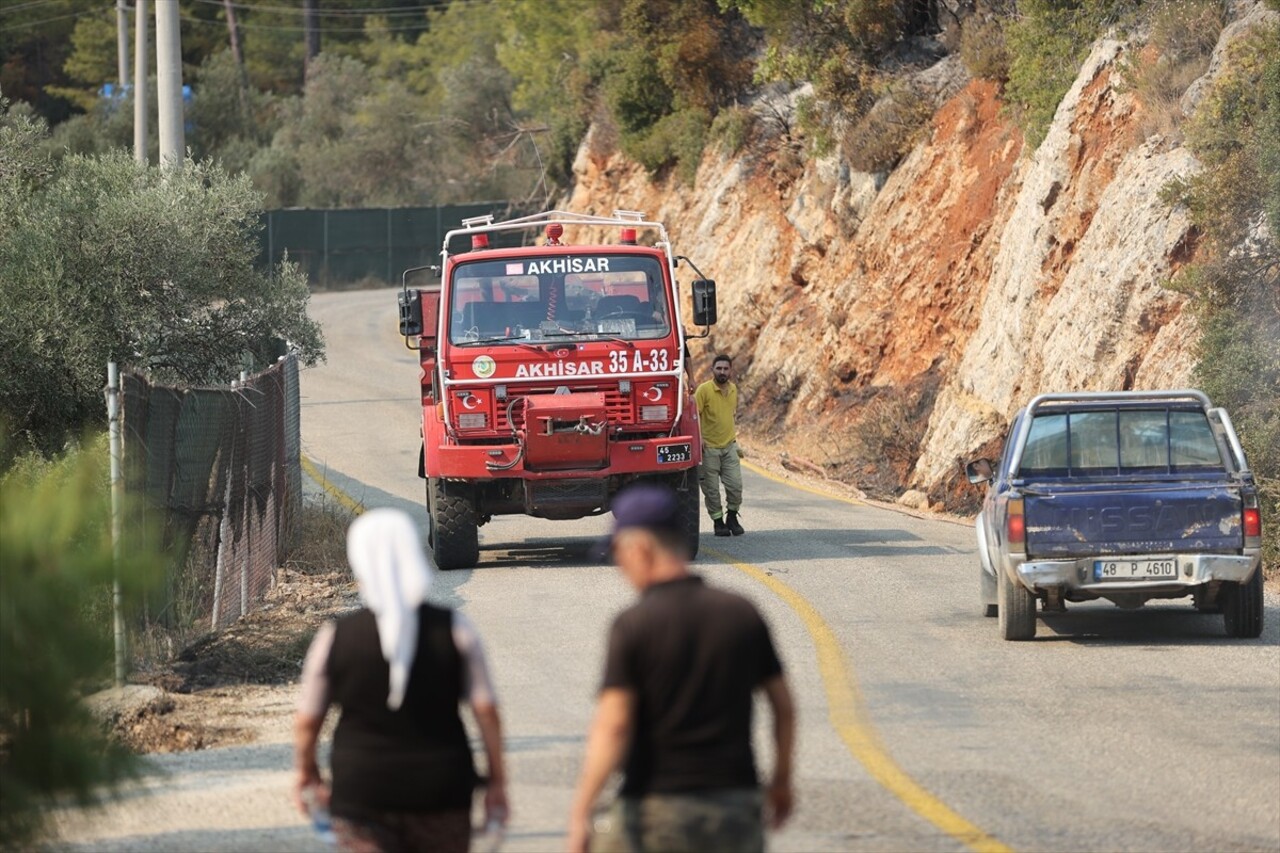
(1183, 36)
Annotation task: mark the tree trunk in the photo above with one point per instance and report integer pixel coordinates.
(311, 22)
(233, 33)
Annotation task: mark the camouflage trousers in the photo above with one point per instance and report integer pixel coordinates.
(723, 820)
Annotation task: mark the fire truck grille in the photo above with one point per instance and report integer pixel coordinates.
(621, 411)
(577, 493)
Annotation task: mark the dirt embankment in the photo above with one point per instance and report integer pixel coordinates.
(217, 690)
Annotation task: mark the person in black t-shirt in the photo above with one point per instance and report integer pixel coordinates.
(674, 710)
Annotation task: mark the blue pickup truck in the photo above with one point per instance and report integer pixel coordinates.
(1128, 496)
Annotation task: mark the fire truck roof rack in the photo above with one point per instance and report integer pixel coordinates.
(563, 217)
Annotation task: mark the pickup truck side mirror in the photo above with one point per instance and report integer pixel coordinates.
(980, 471)
(704, 302)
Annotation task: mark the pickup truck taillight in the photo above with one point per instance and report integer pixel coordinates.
(1252, 523)
(1015, 525)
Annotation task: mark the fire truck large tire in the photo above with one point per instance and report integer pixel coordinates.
(690, 514)
(455, 539)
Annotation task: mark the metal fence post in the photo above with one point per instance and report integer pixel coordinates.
(117, 497)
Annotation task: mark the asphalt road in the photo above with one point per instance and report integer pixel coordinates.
(919, 728)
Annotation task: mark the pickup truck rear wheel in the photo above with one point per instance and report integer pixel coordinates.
(990, 595)
(1017, 609)
(455, 538)
(1242, 606)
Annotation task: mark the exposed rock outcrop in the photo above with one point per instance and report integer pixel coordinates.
(965, 281)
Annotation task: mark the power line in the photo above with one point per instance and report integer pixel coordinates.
(390, 11)
(28, 5)
(85, 14)
(295, 29)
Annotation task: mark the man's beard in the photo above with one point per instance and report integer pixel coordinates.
(721, 379)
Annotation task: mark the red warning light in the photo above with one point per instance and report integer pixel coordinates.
(628, 236)
(479, 241)
(554, 231)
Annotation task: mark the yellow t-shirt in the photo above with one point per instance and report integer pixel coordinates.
(715, 411)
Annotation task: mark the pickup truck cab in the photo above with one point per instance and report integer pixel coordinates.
(1128, 496)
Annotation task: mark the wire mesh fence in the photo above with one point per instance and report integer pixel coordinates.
(341, 247)
(219, 471)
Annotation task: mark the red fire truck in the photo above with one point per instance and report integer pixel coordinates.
(553, 374)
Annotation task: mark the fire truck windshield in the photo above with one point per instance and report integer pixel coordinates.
(561, 297)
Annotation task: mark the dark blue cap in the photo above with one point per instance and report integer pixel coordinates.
(644, 505)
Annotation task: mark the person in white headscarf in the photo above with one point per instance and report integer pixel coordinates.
(402, 770)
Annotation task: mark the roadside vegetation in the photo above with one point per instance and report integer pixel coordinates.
(1235, 201)
(105, 260)
(56, 575)
(100, 259)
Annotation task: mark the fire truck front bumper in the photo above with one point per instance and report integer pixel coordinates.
(567, 456)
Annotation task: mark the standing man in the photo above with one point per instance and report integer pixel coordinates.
(717, 404)
(674, 710)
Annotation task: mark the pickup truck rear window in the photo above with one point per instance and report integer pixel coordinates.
(1100, 441)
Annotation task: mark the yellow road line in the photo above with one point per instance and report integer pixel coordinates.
(844, 703)
(337, 494)
(801, 486)
(849, 718)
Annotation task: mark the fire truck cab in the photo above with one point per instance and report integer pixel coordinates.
(552, 374)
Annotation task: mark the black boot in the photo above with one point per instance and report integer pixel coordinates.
(722, 529)
(731, 522)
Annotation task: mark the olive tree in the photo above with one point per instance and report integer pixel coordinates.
(102, 259)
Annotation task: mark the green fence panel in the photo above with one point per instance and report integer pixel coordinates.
(344, 247)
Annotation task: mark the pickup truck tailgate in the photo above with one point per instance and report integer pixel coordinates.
(1082, 520)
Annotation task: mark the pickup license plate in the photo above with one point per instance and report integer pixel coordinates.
(669, 453)
(1125, 570)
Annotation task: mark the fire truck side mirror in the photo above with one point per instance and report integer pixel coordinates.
(704, 302)
(410, 313)
(418, 312)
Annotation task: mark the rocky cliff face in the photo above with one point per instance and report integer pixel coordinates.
(886, 327)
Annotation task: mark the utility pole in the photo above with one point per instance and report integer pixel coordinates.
(122, 44)
(169, 84)
(141, 88)
(233, 33)
(311, 25)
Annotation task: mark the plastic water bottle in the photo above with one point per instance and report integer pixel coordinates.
(490, 840)
(320, 821)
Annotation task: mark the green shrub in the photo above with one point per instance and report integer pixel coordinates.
(56, 572)
(637, 95)
(982, 49)
(1046, 45)
(677, 140)
(732, 129)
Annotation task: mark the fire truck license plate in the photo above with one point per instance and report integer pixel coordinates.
(668, 453)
